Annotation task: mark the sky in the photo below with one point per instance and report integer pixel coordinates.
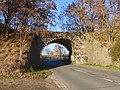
(59, 4)
(51, 46)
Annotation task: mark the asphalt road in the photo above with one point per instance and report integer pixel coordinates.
(87, 78)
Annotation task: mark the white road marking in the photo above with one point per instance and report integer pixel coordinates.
(118, 83)
(82, 71)
(108, 79)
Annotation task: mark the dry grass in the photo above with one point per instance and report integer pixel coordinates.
(103, 37)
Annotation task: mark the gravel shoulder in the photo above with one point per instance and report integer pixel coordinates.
(27, 84)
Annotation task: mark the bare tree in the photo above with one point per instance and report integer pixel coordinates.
(27, 15)
(58, 50)
(92, 15)
(48, 51)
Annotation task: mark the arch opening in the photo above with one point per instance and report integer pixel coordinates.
(56, 53)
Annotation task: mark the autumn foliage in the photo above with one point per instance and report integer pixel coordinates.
(91, 16)
(27, 15)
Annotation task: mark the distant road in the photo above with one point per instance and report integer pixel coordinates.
(87, 78)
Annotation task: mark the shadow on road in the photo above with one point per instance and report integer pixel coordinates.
(54, 63)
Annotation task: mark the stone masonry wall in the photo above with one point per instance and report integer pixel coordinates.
(96, 52)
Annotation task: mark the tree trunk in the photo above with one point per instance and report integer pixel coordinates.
(21, 48)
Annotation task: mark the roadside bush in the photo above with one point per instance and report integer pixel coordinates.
(115, 50)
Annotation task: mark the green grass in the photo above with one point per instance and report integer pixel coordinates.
(111, 67)
(7, 77)
(42, 73)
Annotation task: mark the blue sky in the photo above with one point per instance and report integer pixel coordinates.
(61, 3)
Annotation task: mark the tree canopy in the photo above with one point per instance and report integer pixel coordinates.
(91, 15)
(27, 15)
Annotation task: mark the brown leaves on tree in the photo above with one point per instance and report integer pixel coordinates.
(91, 15)
(24, 11)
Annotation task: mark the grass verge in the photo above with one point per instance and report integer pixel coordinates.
(110, 67)
(42, 73)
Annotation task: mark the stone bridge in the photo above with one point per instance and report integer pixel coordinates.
(82, 47)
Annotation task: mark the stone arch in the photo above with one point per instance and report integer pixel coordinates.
(75, 48)
(69, 44)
